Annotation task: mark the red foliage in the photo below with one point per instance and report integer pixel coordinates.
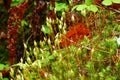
(76, 33)
(16, 14)
(114, 5)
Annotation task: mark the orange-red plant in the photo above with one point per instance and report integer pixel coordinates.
(76, 33)
(14, 21)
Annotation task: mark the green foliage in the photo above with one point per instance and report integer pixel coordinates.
(46, 29)
(45, 62)
(89, 59)
(87, 6)
(81, 7)
(16, 2)
(93, 58)
(24, 23)
(64, 64)
(61, 6)
(109, 2)
(5, 79)
(88, 2)
(2, 66)
(116, 1)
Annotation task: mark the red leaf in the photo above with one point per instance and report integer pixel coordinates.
(76, 33)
